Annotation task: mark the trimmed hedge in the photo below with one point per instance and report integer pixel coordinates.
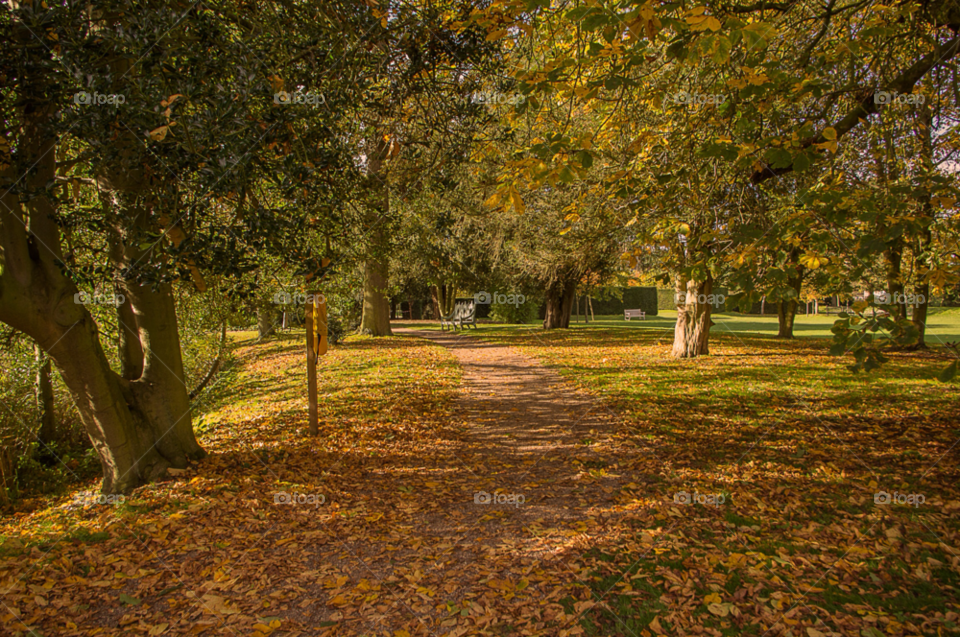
(634, 298)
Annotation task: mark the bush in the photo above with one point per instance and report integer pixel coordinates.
(514, 314)
(335, 330)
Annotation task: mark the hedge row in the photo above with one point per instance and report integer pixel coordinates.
(633, 298)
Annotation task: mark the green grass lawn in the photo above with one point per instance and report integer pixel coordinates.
(943, 325)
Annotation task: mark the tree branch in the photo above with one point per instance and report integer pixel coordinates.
(868, 105)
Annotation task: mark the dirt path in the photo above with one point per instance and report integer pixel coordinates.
(536, 449)
(521, 415)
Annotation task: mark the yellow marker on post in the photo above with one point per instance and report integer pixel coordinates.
(320, 325)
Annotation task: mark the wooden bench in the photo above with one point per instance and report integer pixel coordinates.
(629, 314)
(464, 313)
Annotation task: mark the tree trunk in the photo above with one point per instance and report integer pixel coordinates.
(924, 241)
(893, 260)
(376, 307)
(787, 309)
(451, 297)
(131, 350)
(435, 298)
(266, 321)
(376, 274)
(45, 404)
(161, 394)
(122, 418)
(560, 297)
(691, 336)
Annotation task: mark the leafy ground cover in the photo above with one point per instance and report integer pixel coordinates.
(800, 451)
(210, 551)
(730, 495)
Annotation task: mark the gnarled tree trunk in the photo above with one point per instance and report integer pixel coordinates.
(138, 427)
(691, 336)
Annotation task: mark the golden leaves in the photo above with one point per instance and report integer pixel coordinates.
(813, 261)
(517, 201)
(700, 22)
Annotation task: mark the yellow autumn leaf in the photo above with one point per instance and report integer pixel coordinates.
(160, 133)
(829, 132)
(517, 201)
(830, 145)
(170, 100)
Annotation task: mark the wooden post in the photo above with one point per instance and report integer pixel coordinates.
(314, 419)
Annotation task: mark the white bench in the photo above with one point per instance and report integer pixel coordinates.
(629, 314)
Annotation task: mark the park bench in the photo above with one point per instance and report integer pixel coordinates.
(629, 314)
(464, 313)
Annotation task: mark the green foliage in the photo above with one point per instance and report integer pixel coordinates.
(867, 333)
(336, 332)
(515, 314)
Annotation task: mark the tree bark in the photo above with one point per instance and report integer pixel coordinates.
(376, 306)
(131, 350)
(45, 403)
(787, 308)
(560, 297)
(691, 337)
(435, 298)
(376, 274)
(924, 241)
(893, 261)
(266, 321)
